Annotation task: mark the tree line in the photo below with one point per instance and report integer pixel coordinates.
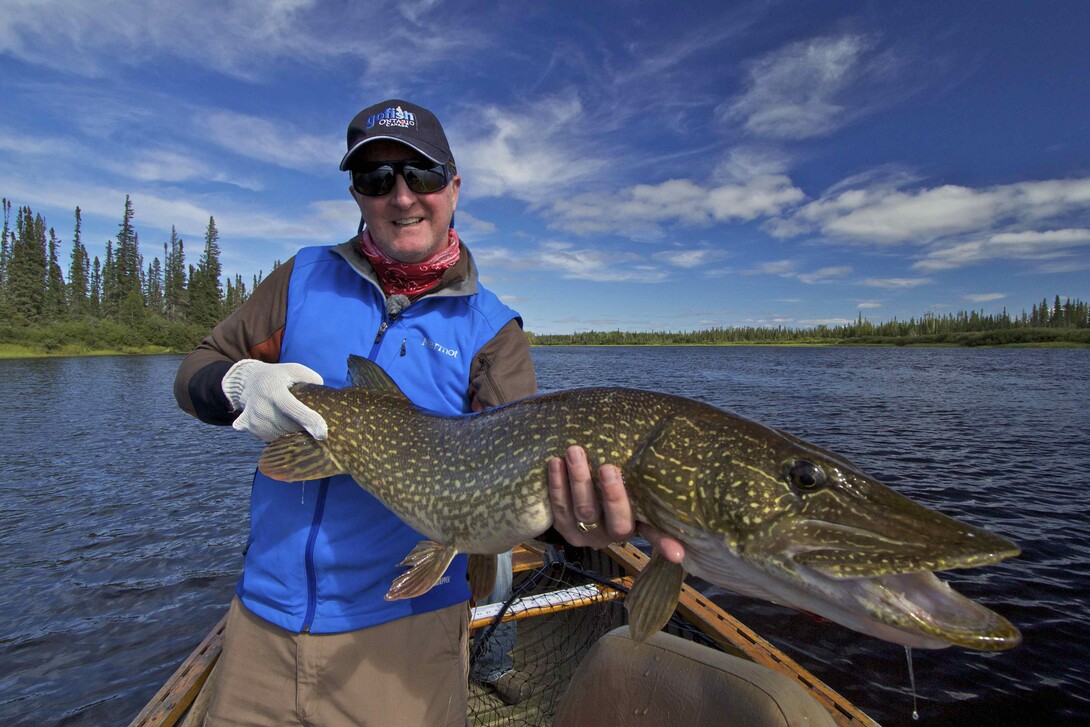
(1066, 321)
(117, 302)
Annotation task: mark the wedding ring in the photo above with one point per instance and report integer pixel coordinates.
(586, 527)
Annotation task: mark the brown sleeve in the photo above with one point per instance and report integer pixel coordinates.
(255, 330)
(502, 370)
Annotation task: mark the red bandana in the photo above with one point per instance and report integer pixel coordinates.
(410, 279)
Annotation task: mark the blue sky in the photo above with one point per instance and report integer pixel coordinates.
(631, 165)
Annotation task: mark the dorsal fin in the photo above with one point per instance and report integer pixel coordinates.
(367, 374)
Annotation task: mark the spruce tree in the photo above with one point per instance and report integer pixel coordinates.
(109, 298)
(96, 289)
(79, 271)
(56, 294)
(205, 291)
(174, 278)
(27, 268)
(128, 263)
(153, 292)
(5, 256)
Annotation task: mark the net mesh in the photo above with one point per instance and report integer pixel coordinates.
(549, 646)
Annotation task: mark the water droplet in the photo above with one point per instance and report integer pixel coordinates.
(912, 683)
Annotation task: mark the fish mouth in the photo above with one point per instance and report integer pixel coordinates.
(920, 610)
(875, 577)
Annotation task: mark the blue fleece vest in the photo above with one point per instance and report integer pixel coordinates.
(323, 553)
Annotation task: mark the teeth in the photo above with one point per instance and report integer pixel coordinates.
(409, 221)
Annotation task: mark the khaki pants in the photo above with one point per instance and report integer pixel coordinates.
(410, 672)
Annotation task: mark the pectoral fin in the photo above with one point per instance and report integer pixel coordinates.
(427, 563)
(482, 575)
(653, 597)
(296, 457)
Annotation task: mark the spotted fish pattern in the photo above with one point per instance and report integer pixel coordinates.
(760, 512)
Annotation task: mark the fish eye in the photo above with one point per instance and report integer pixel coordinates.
(804, 476)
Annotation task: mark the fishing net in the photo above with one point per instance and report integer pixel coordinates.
(559, 611)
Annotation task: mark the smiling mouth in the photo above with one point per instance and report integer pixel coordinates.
(408, 221)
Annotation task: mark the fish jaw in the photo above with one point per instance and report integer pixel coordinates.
(914, 609)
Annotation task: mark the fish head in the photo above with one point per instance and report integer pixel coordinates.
(793, 523)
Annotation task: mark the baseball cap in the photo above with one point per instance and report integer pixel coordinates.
(401, 121)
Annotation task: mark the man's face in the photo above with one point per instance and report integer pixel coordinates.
(408, 226)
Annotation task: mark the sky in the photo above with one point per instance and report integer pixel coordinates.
(641, 166)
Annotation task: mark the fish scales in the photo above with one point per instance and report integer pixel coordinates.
(759, 511)
(452, 475)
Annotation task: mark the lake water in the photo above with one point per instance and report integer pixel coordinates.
(122, 519)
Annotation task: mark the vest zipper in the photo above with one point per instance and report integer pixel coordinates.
(387, 321)
(312, 576)
(486, 371)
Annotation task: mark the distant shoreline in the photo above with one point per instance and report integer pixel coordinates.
(17, 351)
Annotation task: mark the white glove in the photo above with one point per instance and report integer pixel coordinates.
(263, 392)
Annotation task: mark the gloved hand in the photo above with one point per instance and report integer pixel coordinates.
(263, 392)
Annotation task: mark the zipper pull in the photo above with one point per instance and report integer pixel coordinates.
(381, 332)
(403, 346)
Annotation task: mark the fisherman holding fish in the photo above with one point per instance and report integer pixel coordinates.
(310, 637)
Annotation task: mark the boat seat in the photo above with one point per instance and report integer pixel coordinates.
(671, 682)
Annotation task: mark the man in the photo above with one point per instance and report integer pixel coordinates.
(310, 638)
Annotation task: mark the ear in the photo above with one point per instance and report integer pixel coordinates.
(455, 185)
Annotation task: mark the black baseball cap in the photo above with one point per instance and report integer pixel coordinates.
(401, 121)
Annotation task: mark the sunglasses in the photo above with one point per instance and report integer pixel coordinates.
(422, 177)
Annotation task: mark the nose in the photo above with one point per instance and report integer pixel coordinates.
(401, 195)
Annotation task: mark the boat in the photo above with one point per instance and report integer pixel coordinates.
(704, 668)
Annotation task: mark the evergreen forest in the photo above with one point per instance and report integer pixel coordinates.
(125, 304)
(119, 304)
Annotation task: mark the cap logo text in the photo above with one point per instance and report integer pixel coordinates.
(392, 117)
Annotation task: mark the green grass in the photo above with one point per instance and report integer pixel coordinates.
(17, 350)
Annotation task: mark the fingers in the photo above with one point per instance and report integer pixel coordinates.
(306, 417)
(604, 510)
(301, 374)
(620, 523)
(564, 519)
(581, 484)
(671, 548)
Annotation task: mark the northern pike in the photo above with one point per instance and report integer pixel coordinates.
(760, 512)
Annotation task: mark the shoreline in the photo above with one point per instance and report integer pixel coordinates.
(12, 351)
(19, 351)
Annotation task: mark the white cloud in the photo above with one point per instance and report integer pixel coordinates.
(825, 274)
(885, 216)
(275, 143)
(896, 283)
(801, 90)
(895, 217)
(688, 258)
(573, 263)
(955, 225)
(638, 210)
(777, 267)
(984, 297)
(241, 38)
(528, 154)
(1047, 245)
(129, 161)
(789, 269)
(87, 37)
(471, 225)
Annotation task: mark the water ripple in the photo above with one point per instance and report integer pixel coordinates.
(123, 519)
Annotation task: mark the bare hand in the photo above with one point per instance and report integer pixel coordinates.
(590, 517)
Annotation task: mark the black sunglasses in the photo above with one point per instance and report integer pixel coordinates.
(422, 176)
